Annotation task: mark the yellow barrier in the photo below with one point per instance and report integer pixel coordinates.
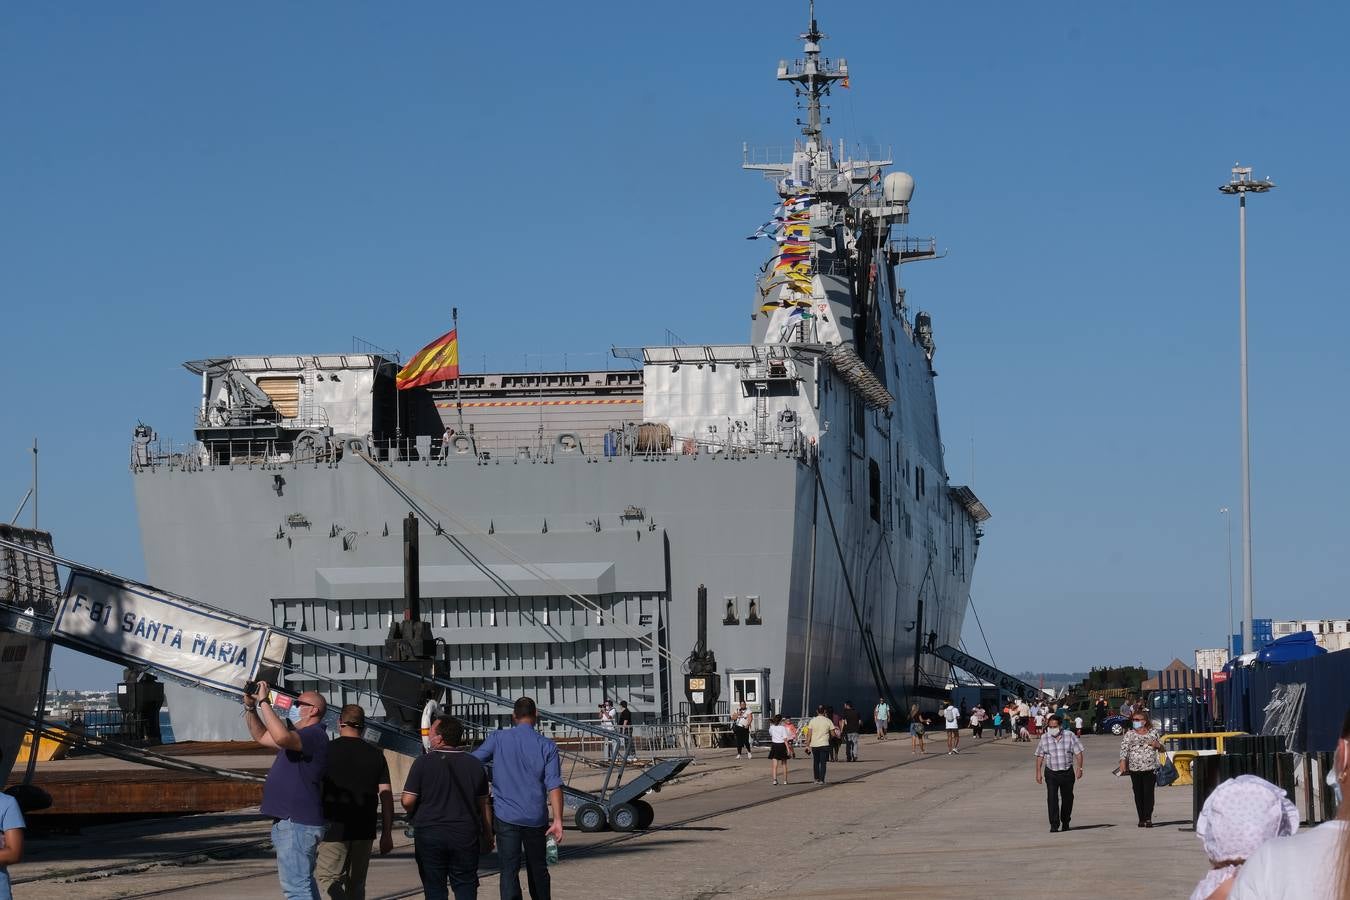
(1217, 736)
(1183, 759)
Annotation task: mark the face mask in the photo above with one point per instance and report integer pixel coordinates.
(1137, 724)
(1052, 731)
(293, 713)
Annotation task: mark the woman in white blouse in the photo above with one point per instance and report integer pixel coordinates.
(1139, 759)
(778, 748)
(1311, 865)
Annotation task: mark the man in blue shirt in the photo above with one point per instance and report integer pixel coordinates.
(526, 787)
(11, 840)
(293, 792)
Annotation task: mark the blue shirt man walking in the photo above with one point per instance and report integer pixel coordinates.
(526, 788)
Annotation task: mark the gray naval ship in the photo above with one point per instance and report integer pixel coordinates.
(799, 477)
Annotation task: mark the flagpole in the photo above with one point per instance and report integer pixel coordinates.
(459, 405)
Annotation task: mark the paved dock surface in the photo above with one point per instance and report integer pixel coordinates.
(893, 825)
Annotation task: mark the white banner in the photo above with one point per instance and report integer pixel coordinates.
(172, 635)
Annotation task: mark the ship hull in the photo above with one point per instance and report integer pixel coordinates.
(318, 548)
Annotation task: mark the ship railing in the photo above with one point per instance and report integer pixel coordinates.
(912, 248)
(219, 417)
(164, 453)
(824, 64)
(623, 440)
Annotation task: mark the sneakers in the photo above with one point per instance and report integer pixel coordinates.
(775, 781)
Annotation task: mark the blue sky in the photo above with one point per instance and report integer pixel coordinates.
(180, 180)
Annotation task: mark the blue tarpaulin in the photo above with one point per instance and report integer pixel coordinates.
(1290, 648)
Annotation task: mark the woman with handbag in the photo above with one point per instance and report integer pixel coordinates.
(1139, 759)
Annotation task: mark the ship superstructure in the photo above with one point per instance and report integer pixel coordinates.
(799, 477)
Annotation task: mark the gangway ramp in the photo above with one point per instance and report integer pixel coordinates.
(984, 671)
(218, 651)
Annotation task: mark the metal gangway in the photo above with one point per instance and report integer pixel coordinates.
(1009, 684)
(604, 782)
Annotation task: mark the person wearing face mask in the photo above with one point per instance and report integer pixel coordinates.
(293, 792)
(1059, 763)
(1139, 759)
(1311, 864)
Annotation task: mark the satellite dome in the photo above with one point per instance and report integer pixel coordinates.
(899, 188)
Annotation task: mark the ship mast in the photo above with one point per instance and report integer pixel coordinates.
(813, 76)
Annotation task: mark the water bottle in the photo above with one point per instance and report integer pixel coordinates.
(551, 850)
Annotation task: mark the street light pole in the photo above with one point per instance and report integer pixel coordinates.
(1228, 526)
(1241, 183)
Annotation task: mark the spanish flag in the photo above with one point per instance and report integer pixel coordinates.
(437, 361)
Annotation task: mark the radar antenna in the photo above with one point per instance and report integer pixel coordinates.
(813, 76)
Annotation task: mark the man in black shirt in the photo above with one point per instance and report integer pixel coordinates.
(852, 729)
(355, 781)
(447, 796)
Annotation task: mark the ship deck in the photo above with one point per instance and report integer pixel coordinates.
(932, 826)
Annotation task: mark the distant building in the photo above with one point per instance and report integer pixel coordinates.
(1331, 634)
(1210, 660)
(1181, 675)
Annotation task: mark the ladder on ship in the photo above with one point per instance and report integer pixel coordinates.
(602, 783)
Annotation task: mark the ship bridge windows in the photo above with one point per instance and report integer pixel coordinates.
(732, 616)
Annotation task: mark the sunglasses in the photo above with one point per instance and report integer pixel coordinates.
(303, 703)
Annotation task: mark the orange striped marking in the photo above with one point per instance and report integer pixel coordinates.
(473, 404)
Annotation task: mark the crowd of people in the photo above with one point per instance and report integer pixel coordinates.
(328, 797)
(332, 806)
(823, 737)
(1248, 827)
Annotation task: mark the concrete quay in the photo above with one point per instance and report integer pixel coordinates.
(893, 825)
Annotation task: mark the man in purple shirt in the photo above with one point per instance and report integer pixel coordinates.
(293, 793)
(526, 787)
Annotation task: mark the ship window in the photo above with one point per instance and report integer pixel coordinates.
(859, 415)
(752, 612)
(285, 394)
(732, 617)
(874, 490)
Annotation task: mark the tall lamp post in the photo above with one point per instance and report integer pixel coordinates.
(1241, 183)
(1228, 526)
